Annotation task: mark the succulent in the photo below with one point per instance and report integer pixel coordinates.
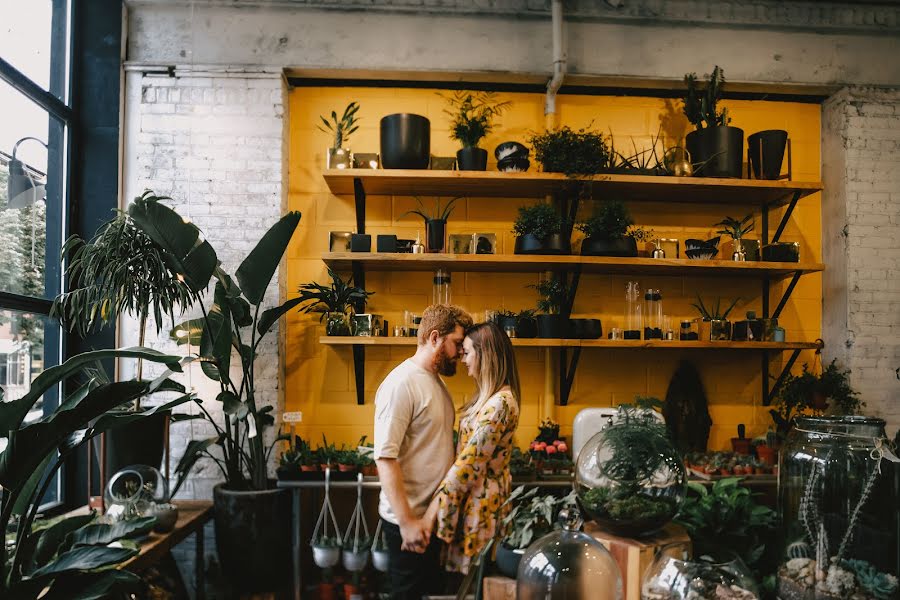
(700, 105)
(881, 585)
(341, 127)
(736, 228)
(711, 313)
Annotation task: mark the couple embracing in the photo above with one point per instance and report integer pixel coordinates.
(440, 503)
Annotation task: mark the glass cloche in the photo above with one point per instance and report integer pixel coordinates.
(629, 477)
(673, 575)
(134, 492)
(568, 565)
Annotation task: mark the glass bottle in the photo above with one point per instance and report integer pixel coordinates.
(837, 500)
(653, 322)
(634, 325)
(441, 287)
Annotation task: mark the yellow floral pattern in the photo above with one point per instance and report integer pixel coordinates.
(471, 497)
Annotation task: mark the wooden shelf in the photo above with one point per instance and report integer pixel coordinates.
(518, 263)
(494, 184)
(558, 343)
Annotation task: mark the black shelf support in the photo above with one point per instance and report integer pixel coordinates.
(769, 394)
(787, 294)
(359, 279)
(787, 215)
(567, 373)
(359, 372)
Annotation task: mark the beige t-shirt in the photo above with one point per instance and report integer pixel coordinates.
(414, 418)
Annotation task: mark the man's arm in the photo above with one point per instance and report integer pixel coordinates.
(415, 533)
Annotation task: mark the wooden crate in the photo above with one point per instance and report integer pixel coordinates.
(497, 587)
(635, 555)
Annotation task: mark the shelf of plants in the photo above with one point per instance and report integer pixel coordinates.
(634, 188)
(523, 263)
(573, 343)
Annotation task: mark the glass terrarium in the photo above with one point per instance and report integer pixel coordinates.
(629, 477)
(837, 499)
(674, 575)
(568, 565)
(134, 492)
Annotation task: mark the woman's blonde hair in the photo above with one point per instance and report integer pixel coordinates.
(496, 365)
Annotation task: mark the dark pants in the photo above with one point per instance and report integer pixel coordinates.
(413, 575)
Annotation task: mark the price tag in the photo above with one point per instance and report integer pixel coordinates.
(292, 417)
(251, 427)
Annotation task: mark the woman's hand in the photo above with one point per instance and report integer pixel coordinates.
(431, 514)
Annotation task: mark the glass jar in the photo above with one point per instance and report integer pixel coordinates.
(629, 477)
(673, 575)
(441, 287)
(568, 565)
(837, 500)
(634, 325)
(135, 492)
(653, 315)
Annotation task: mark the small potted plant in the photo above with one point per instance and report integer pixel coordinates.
(526, 324)
(506, 320)
(741, 444)
(355, 553)
(715, 145)
(326, 551)
(563, 150)
(737, 229)
(553, 296)
(714, 324)
(336, 303)
(472, 118)
(521, 465)
(364, 451)
(327, 455)
(347, 460)
(435, 223)
(606, 232)
(380, 554)
(341, 128)
(541, 230)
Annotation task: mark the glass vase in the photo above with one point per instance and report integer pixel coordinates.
(675, 575)
(337, 324)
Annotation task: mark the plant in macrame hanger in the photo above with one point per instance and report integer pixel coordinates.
(356, 546)
(326, 548)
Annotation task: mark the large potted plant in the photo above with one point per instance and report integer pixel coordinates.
(120, 271)
(606, 233)
(252, 517)
(435, 223)
(341, 128)
(540, 230)
(554, 294)
(472, 118)
(564, 150)
(336, 303)
(715, 147)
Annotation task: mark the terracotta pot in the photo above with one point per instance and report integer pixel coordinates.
(370, 470)
(346, 468)
(309, 468)
(325, 591)
(766, 454)
(740, 445)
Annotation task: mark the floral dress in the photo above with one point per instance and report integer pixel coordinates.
(471, 496)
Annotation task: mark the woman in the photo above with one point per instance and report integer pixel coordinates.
(469, 503)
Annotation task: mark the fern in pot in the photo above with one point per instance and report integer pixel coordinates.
(336, 303)
(606, 233)
(553, 301)
(716, 148)
(472, 117)
(541, 230)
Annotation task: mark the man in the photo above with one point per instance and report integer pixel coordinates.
(414, 419)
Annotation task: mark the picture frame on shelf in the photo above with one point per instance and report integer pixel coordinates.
(484, 243)
(671, 246)
(366, 160)
(460, 243)
(339, 241)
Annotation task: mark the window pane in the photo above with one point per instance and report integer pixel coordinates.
(34, 40)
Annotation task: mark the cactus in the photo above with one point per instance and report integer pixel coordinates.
(700, 105)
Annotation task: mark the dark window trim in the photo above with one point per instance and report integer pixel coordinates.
(24, 303)
(35, 93)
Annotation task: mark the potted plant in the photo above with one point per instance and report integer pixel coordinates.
(380, 554)
(505, 320)
(121, 272)
(737, 229)
(540, 230)
(435, 223)
(741, 444)
(715, 145)
(336, 303)
(341, 127)
(326, 551)
(355, 553)
(606, 232)
(714, 324)
(554, 294)
(472, 115)
(563, 150)
(526, 324)
(347, 460)
(641, 162)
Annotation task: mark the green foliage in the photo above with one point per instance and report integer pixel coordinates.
(341, 127)
(736, 228)
(640, 162)
(341, 297)
(360, 545)
(327, 541)
(548, 431)
(637, 443)
(439, 213)
(553, 295)
(472, 115)
(532, 515)
(713, 313)
(700, 105)
(539, 220)
(638, 506)
(725, 517)
(797, 395)
(582, 152)
(610, 223)
(881, 585)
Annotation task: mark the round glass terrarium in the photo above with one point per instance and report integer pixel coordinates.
(629, 477)
(674, 575)
(837, 498)
(568, 565)
(134, 492)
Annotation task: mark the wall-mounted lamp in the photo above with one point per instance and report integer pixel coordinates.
(23, 191)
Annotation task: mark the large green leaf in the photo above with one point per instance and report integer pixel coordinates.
(24, 499)
(193, 453)
(185, 253)
(83, 558)
(215, 343)
(95, 586)
(257, 270)
(101, 534)
(48, 541)
(270, 317)
(188, 332)
(12, 414)
(111, 420)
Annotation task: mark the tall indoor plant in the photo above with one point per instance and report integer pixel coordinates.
(715, 147)
(472, 117)
(335, 302)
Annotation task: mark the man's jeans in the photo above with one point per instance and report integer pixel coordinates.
(413, 575)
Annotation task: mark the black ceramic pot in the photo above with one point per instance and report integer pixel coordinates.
(586, 329)
(471, 159)
(253, 537)
(405, 141)
(435, 235)
(623, 247)
(526, 327)
(140, 442)
(508, 560)
(765, 152)
(553, 327)
(717, 151)
(555, 244)
(504, 322)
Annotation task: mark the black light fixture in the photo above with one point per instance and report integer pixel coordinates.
(23, 191)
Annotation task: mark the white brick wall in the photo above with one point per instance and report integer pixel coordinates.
(861, 218)
(215, 144)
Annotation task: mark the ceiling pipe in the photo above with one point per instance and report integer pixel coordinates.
(560, 57)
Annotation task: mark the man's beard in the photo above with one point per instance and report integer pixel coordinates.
(443, 364)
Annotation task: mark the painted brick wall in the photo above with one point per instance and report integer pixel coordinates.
(214, 144)
(861, 220)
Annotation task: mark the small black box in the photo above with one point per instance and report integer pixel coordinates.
(360, 242)
(386, 243)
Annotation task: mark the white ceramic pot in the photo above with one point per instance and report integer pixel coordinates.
(355, 561)
(380, 560)
(326, 557)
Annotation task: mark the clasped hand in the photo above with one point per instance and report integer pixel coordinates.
(416, 535)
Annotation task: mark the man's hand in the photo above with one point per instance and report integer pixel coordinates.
(416, 535)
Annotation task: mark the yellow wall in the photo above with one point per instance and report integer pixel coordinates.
(319, 379)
